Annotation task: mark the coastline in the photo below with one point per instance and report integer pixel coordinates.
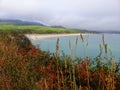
(44, 36)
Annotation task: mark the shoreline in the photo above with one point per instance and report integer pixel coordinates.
(45, 36)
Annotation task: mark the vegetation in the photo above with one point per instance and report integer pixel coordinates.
(24, 67)
(36, 29)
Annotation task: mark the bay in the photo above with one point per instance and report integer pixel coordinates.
(75, 47)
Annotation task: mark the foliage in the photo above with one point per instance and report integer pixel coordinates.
(24, 67)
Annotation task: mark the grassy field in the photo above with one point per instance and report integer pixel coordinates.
(24, 67)
(37, 29)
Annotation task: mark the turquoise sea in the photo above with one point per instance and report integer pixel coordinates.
(75, 47)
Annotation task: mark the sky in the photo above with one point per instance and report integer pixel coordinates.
(81, 14)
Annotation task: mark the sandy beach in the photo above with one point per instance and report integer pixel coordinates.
(44, 36)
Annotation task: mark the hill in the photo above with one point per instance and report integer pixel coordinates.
(37, 29)
(8, 25)
(19, 22)
(25, 67)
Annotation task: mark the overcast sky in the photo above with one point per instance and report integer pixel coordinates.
(85, 14)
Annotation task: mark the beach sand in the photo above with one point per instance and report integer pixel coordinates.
(44, 36)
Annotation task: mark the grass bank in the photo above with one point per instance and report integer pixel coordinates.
(37, 29)
(24, 67)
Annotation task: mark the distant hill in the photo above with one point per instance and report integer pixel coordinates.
(112, 32)
(57, 26)
(19, 22)
(107, 31)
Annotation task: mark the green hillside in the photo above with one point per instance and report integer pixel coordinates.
(37, 29)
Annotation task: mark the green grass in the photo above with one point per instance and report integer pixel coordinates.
(37, 29)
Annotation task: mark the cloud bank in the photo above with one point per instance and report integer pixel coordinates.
(86, 14)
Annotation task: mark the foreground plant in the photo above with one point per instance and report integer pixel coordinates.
(24, 67)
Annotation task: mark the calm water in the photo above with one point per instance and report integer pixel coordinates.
(90, 47)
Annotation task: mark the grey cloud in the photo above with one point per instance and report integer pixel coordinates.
(88, 14)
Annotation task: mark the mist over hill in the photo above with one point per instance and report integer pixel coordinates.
(106, 31)
(19, 22)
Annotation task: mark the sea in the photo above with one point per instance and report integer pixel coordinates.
(81, 46)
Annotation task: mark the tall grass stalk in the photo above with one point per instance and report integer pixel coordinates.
(57, 48)
(85, 43)
(72, 53)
